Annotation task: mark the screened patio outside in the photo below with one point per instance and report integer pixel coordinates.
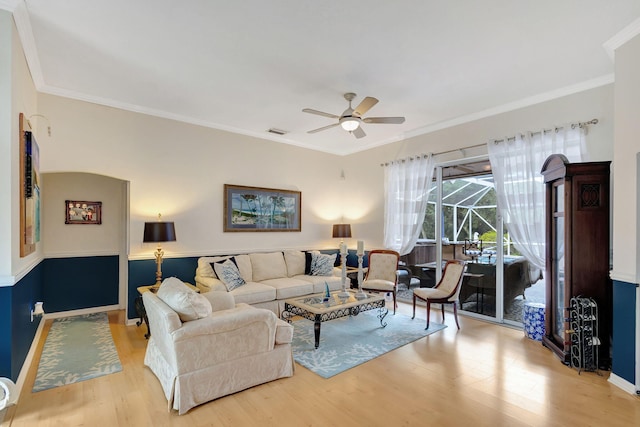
(469, 232)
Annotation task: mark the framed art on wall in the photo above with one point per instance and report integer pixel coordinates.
(81, 212)
(29, 188)
(261, 209)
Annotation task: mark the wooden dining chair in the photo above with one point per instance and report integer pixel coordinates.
(382, 273)
(446, 291)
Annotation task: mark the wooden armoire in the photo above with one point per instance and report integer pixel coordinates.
(577, 249)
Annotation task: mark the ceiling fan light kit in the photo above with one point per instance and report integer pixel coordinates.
(351, 119)
(349, 123)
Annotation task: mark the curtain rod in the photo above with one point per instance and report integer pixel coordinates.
(512, 138)
(580, 125)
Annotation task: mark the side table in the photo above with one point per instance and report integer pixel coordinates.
(139, 304)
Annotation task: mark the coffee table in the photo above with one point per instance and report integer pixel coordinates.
(322, 309)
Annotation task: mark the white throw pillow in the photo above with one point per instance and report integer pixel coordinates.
(242, 261)
(189, 304)
(295, 261)
(322, 264)
(244, 266)
(229, 274)
(204, 265)
(267, 266)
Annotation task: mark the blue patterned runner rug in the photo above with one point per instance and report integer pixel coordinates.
(353, 340)
(77, 348)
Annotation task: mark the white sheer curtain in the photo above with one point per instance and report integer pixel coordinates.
(516, 165)
(407, 184)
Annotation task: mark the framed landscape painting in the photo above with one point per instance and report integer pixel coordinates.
(261, 209)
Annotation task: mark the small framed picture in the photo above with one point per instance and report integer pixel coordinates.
(82, 212)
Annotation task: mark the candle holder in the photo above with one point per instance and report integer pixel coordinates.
(360, 294)
(343, 265)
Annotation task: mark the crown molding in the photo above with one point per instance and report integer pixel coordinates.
(9, 5)
(623, 36)
(516, 105)
(65, 93)
(23, 24)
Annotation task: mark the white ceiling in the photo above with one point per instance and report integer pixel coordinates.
(247, 66)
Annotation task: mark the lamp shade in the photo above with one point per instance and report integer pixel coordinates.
(159, 231)
(342, 230)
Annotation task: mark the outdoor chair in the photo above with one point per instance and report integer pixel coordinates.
(445, 292)
(405, 277)
(382, 273)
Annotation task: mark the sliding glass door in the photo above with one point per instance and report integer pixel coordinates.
(462, 222)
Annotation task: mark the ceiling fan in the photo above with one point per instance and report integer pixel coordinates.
(351, 118)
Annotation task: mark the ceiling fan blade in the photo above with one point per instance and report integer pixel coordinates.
(323, 128)
(365, 106)
(320, 113)
(359, 133)
(392, 120)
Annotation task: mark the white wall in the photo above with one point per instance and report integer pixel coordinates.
(627, 145)
(15, 80)
(179, 169)
(64, 240)
(6, 152)
(365, 177)
(626, 242)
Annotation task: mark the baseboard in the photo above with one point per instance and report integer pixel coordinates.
(82, 311)
(131, 322)
(622, 383)
(22, 376)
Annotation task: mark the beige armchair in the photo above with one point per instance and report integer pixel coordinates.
(446, 291)
(382, 273)
(225, 349)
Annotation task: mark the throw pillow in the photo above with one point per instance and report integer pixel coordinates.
(205, 267)
(267, 266)
(295, 261)
(189, 304)
(307, 263)
(322, 264)
(229, 274)
(221, 260)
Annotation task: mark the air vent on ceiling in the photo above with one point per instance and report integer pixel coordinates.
(277, 131)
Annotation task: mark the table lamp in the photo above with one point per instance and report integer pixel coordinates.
(158, 232)
(341, 231)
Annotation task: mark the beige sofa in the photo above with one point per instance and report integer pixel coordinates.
(211, 347)
(270, 278)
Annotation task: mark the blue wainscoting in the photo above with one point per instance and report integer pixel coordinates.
(6, 311)
(143, 272)
(16, 329)
(624, 330)
(80, 282)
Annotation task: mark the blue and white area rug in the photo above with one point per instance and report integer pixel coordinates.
(353, 340)
(77, 348)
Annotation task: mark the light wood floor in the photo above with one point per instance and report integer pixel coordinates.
(482, 375)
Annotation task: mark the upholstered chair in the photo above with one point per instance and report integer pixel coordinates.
(382, 273)
(205, 346)
(446, 291)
